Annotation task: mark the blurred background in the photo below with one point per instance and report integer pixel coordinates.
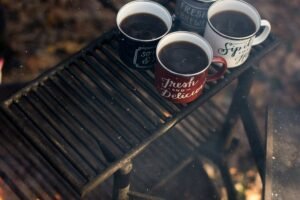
(38, 34)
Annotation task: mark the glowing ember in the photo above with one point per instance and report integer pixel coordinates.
(56, 197)
(1, 193)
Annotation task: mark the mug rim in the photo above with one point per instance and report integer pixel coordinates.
(145, 1)
(210, 57)
(228, 36)
(206, 1)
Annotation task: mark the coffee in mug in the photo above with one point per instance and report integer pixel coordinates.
(140, 26)
(183, 57)
(233, 23)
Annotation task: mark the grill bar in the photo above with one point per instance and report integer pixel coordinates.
(44, 145)
(88, 170)
(53, 136)
(100, 118)
(120, 92)
(16, 173)
(76, 121)
(102, 115)
(122, 86)
(191, 130)
(87, 139)
(80, 108)
(81, 143)
(25, 171)
(119, 109)
(140, 93)
(117, 79)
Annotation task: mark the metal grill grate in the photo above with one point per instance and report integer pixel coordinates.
(91, 113)
(182, 142)
(26, 174)
(166, 157)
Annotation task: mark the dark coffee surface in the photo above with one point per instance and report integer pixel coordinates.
(233, 23)
(183, 57)
(143, 26)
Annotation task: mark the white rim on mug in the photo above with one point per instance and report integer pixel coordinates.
(144, 6)
(234, 5)
(206, 1)
(185, 36)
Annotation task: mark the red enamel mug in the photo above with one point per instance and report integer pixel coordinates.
(181, 71)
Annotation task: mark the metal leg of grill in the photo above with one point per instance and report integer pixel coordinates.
(219, 159)
(254, 139)
(241, 94)
(122, 183)
(248, 119)
(231, 193)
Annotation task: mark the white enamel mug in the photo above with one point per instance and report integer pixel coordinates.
(235, 50)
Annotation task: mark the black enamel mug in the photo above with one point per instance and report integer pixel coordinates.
(141, 25)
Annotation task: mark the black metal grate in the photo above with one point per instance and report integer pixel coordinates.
(26, 174)
(164, 156)
(91, 113)
(163, 160)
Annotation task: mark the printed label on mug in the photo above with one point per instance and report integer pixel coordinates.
(238, 51)
(192, 16)
(177, 90)
(144, 56)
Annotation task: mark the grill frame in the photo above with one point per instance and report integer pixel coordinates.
(169, 114)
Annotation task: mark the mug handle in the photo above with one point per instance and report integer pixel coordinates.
(264, 34)
(219, 73)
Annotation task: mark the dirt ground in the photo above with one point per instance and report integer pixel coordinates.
(39, 34)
